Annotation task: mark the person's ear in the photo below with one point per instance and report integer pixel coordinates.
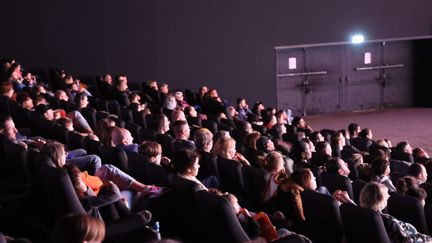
(2, 131)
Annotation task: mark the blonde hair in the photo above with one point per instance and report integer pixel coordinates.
(271, 161)
(55, 151)
(372, 196)
(76, 228)
(222, 145)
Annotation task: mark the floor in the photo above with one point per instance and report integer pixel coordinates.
(411, 124)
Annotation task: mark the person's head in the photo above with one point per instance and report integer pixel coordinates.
(164, 88)
(186, 162)
(231, 111)
(66, 122)
(304, 178)
(179, 96)
(7, 127)
(301, 151)
(404, 147)
(190, 111)
(24, 99)
(178, 115)
(382, 143)
(152, 84)
(81, 99)
(107, 78)
(152, 150)
(258, 107)
(265, 144)
(374, 196)
(298, 122)
(353, 129)
(56, 152)
(405, 183)
(61, 95)
(420, 153)
(225, 147)
(337, 165)
(323, 148)
(273, 162)
(366, 133)
(121, 83)
(162, 123)
(78, 228)
(281, 117)
(181, 129)
(76, 179)
(6, 89)
(241, 102)
(251, 140)
(356, 159)
(203, 139)
(213, 93)
(202, 90)
(247, 127)
(233, 201)
(381, 167)
(121, 136)
(338, 139)
(316, 137)
(419, 172)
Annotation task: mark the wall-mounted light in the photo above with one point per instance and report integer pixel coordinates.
(357, 39)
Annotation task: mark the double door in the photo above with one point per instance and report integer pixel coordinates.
(331, 78)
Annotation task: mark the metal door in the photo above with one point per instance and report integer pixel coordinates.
(308, 79)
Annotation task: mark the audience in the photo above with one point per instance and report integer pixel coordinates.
(257, 133)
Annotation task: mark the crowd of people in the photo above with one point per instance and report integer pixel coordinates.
(201, 139)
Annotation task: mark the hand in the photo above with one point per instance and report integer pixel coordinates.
(165, 161)
(342, 196)
(244, 212)
(240, 158)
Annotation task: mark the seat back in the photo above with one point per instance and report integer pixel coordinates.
(362, 225)
(76, 140)
(115, 156)
(334, 181)
(230, 172)
(408, 209)
(357, 186)
(255, 182)
(216, 220)
(135, 131)
(322, 216)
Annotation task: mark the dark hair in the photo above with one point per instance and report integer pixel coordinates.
(364, 132)
(405, 183)
(352, 127)
(21, 97)
(379, 166)
(415, 169)
(301, 177)
(321, 146)
(184, 159)
(333, 165)
(401, 146)
(296, 120)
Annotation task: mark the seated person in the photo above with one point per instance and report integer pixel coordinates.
(182, 133)
(381, 171)
(122, 138)
(108, 192)
(186, 164)
(153, 151)
(374, 196)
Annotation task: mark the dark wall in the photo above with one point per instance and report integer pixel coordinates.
(228, 45)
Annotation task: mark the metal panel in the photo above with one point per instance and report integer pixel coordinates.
(345, 77)
(362, 86)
